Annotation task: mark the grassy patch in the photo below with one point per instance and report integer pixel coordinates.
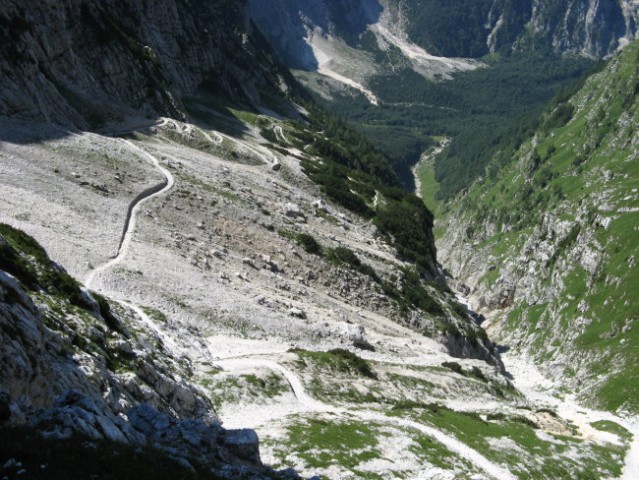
(155, 314)
(229, 390)
(474, 372)
(24, 258)
(514, 441)
(322, 443)
(612, 427)
(429, 184)
(338, 360)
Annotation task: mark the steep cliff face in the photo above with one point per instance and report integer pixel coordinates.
(462, 29)
(594, 29)
(547, 245)
(289, 23)
(589, 28)
(84, 63)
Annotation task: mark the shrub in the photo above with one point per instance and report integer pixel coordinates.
(412, 404)
(309, 244)
(478, 374)
(342, 255)
(105, 311)
(454, 366)
(354, 362)
(24, 258)
(268, 134)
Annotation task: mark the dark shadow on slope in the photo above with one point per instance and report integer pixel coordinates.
(133, 60)
(23, 132)
(287, 24)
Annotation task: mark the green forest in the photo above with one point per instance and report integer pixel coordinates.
(486, 113)
(353, 173)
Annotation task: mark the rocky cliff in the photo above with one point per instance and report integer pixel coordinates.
(546, 245)
(472, 29)
(463, 29)
(594, 29)
(289, 24)
(78, 366)
(86, 63)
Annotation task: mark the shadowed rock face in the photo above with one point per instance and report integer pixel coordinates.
(594, 29)
(287, 24)
(86, 62)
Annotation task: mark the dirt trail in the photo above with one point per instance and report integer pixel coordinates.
(131, 218)
(306, 401)
(279, 133)
(186, 129)
(309, 404)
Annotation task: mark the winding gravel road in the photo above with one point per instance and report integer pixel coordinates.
(305, 401)
(131, 218)
(310, 404)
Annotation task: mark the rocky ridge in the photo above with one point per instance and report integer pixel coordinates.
(76, 366)
(594, 29)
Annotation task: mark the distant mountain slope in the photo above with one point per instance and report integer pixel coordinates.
(88, 62)
(347, 43)
(473, 28)
(548, 244)
(380, 64)
(336, 35)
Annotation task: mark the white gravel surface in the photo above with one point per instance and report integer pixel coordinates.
(185, 254)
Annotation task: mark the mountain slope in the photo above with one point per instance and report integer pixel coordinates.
(338, 47)
(547, 244)
(593, 29)
(262, 259)
(349, 42)
(80, 368)
(102, 67)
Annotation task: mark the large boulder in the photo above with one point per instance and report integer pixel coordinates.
(243, 444)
